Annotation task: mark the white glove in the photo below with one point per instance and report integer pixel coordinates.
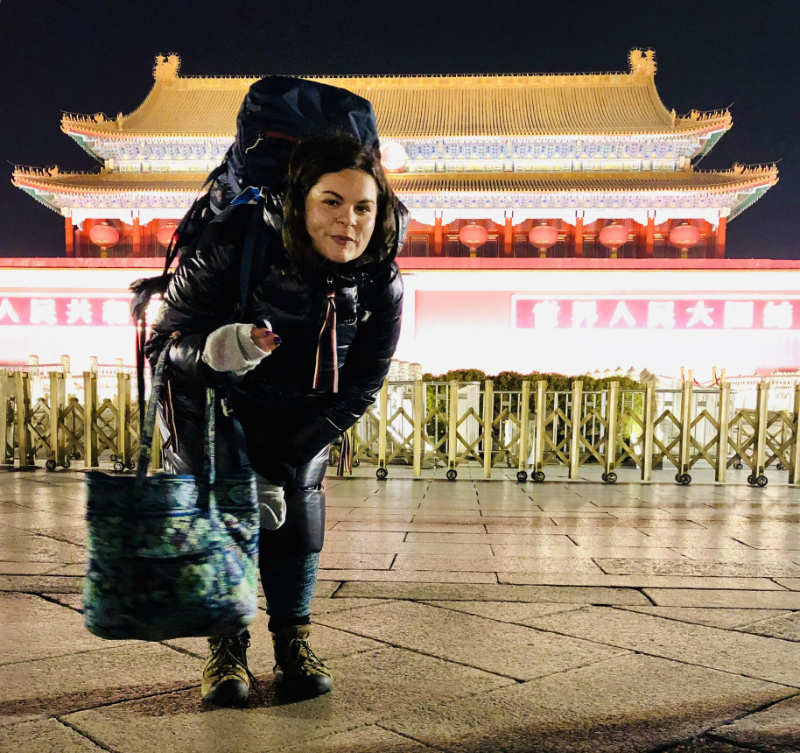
(230, 348)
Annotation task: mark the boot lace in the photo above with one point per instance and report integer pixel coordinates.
(228, 653)
(303, 657)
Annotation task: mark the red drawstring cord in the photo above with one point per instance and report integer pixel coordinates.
(330, 316)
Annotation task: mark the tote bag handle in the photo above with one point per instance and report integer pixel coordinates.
(148, 423)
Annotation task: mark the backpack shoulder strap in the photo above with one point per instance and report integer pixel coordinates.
(252, 239)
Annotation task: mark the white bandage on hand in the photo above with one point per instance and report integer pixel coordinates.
(230, 348)
(271, 503)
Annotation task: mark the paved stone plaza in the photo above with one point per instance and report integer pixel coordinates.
(464, 617)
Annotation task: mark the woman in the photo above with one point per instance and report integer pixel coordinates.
(299, 365)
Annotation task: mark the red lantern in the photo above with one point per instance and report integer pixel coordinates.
(473, 237)
(684, 237)
(543, 236)
(105, 236)
(393, 157)
(165, 233)
(612, 237)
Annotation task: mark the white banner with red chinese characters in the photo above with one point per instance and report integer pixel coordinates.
(656, 313)
(65, 310)
(569, 316)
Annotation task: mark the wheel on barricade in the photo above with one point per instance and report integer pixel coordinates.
(522, 476)
(381, 474)
(761, 481)
(610, 477)
(452, 474)
(737, 466)
(119, 466)
(50, 464)
(538, 477)
(684, 479)
(751, 479)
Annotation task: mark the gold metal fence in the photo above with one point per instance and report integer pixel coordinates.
(449, 426)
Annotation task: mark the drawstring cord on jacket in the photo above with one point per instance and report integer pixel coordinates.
(330, 316)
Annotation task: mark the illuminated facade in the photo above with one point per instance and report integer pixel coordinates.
(558, 224)
(504, 166)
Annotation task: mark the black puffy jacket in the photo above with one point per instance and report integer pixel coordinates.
(281, 397)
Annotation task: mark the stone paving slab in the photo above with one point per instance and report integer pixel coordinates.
(793, 584)
(41, 583)
(25, 547)
(685, 567)
(683, 539)
(375, 543)
(385, 525)
(495, 563)
(786, 626)
(24, 636)
(72, 531)
(775, 729)
(629, 703)
(492, 592)
(322, 605)
(679, 597)
(443, 548)
(624, 537)
(707, 745)
(419, 576)
(58, 685)
(371, 739)
(606, 550)
(504, 611)
(28, 568)
(46, 736)
(369, 516)
(644, 581)
(720, 617)
(76, 569)
(355, 561)
(756, 656)
(501, 648)
(742, 554)
(368, 686)
(533, 542)
(580, 525)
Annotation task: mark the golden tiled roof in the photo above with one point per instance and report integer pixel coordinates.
(426, 106)
(417, 183)
(601, 182)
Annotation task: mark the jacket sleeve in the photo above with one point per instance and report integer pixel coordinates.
(201, 296)
(362, 374)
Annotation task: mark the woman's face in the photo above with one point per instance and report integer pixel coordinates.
(340, 214)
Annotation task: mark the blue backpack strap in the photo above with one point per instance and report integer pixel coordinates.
(250, 195)
(251, 238)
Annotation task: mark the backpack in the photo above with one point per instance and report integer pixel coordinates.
(277, 113)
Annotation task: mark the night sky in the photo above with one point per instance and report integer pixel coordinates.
(86, 56)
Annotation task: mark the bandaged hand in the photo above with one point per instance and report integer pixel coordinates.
(239, 348)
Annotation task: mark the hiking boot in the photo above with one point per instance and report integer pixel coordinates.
(298, 670)
(226, 678)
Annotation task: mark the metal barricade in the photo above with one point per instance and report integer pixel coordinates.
(449, 426)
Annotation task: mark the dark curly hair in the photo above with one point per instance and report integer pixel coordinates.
(310, 160)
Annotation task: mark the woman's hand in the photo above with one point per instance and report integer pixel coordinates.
(265, 339)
